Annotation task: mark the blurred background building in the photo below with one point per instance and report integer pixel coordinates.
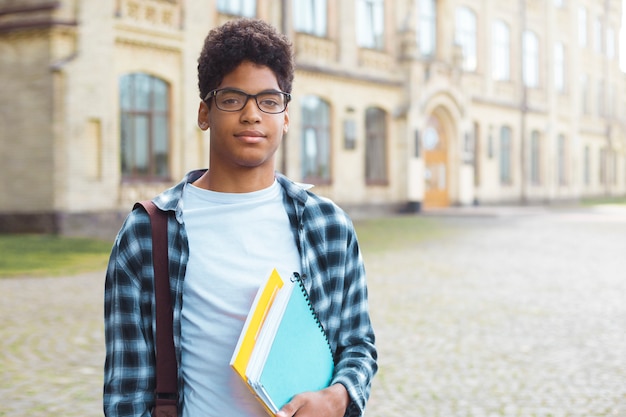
(397, 105)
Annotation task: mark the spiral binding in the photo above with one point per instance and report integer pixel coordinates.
(299, 279)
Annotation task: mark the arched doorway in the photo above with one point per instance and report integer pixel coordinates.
(436, 176)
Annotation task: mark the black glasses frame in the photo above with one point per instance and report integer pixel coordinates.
(213, 93)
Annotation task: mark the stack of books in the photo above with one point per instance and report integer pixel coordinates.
(283, 349)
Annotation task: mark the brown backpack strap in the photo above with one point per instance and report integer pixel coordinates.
(166, 391)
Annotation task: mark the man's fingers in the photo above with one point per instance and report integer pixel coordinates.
(290, 409)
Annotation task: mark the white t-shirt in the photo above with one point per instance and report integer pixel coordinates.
(235, 240)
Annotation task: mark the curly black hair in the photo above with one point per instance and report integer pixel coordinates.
(254, 40)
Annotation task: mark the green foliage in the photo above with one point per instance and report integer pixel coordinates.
(49, 255)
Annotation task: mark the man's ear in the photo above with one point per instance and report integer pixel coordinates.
(203, 116)
(286, 124)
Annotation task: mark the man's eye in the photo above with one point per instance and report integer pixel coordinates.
(270, 101)
(230, 100)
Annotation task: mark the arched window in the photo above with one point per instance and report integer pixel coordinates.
(602, 165)
(559, 67)
(531, 59)
(145, 127)
(587, 165)
(375, 146)
(535, 157)
(562, 160)
(505, 156)
(465, 36)
(501, 51)
(315, 140)
(427, 27)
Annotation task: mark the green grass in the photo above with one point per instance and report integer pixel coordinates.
(49, 255)
(603, 200)
(389, 233)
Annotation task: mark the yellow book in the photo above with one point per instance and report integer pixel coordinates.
(283, 349)
(254, 322)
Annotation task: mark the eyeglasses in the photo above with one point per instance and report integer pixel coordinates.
(228, 99)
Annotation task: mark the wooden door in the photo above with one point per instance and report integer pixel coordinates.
(435, 167)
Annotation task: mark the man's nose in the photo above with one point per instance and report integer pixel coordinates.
(251, 111)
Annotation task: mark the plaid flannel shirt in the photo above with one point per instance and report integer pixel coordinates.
(335, 280)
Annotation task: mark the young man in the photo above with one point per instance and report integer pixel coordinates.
(228, 226)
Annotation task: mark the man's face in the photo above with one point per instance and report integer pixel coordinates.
(247, 138)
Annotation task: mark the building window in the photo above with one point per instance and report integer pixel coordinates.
(597, 35)
(375, 146)
(490, 144)
(531, 59)
(245, 8)
(505, 156)
(602, 166)
(465, 37)
(610, 43)
(562, 160)
(535, 158)
(427, 27)
(478, 143)
(582, 27)
(310, 16)
(613, 167)
(584, 91)
(587, 166)
(501, 53)
(145, 127)
(370, 24)
(559, 67)
(601, 98)
(315, 140)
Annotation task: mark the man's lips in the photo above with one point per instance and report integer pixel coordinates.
(250, 135)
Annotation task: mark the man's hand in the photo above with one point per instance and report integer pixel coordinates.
(329, 402)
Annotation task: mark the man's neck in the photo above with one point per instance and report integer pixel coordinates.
(244, 182)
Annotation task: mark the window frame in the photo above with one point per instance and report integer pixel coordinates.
(151, 113)
(311, 17)
(427, 24)
(243, 8)
(320, 126)
(562, 160)
(535, 157)
(530, 63)
(370, 24)
(506, 155)
(466, 37)
(560, 67)
(583, 35)
(376, 160)
(501, 51)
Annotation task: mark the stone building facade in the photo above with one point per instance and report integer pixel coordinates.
(405, 104)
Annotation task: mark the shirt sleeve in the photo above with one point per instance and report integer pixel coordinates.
(129, 363)
(356, 352)
(338, 290)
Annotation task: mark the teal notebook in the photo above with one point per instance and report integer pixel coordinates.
(291, 354)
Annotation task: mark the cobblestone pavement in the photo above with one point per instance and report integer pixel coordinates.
(514, 313)
(519, 314)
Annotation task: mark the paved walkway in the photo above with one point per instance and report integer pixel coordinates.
(516, 313)
(522, 313)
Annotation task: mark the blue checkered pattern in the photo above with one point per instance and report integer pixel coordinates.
(333, 273)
